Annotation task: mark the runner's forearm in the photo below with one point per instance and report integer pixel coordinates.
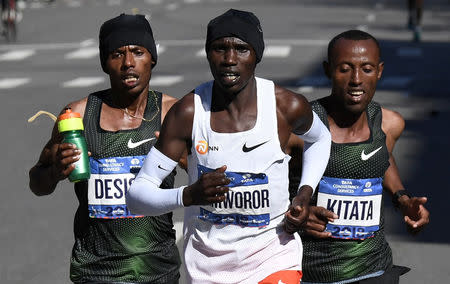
(42, 181)
(145, 197)
(316, 153)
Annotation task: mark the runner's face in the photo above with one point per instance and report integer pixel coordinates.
(354, 69)
(130, 69)
(232, 62)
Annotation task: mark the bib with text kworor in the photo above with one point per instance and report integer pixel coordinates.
(109, 182)
(246, 204)
(357, 202)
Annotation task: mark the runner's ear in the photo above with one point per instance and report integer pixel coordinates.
(380, 69)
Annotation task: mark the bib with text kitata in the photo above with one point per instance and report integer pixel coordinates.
(357, 202)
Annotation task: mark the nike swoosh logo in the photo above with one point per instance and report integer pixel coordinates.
(281, 282)
(367, 156)
(159, 166)
(132, 144)
(248, 149)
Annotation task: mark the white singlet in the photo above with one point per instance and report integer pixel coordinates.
(240, 240)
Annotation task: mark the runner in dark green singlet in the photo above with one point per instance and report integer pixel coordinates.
(344, 239)
(111, 244)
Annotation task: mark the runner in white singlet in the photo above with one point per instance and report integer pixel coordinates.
(239, 226)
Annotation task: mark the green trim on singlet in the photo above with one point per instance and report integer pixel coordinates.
(133, 250)
(332, 260)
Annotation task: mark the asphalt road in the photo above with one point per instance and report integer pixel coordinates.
(55, 61)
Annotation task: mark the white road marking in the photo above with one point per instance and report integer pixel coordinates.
(8, 83)
(305, 89)
(36, 5)
(16, 55)
(83, 53)
(165, 80)
(74, 4)
(364, 28)
(172, 7)
(21, 5)
(88, 42)
(371, 17)
(83, 82)
(201, 53)
(41, 46)
(277, 51)
(160, 49)
(114, 2)
(153, 2)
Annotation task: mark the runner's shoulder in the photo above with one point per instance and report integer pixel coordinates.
(392, 122)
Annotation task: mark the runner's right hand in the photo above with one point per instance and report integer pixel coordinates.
(209, 188)
(63, 158)
(317, 220)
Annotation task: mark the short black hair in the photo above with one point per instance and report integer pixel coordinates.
(352, 35)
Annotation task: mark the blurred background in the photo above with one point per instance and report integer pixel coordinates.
(54, 60)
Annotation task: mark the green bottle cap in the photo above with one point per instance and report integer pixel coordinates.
(69, 120)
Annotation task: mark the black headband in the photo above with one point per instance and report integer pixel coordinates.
(126, 30)
(240, 24)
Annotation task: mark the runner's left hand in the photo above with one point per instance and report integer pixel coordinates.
(415, 214)
(298, 212)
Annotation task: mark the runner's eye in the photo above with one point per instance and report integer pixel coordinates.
(218, 48)
(367, 69)
(116, 54)
(242, 49)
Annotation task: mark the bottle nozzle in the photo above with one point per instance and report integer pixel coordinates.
(69, 120)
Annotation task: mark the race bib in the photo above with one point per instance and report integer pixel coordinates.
(247, 203)
(109, 182)
(357, 202)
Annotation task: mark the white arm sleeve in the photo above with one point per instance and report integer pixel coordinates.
(145, 197)
(316, 153)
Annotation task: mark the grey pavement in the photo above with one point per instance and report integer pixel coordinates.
(36, 235)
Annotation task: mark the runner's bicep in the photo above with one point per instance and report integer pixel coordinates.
(393, 125)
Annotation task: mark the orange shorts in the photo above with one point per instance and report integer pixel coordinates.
(283, 277)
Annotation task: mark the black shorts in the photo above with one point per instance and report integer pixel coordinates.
(390, 276)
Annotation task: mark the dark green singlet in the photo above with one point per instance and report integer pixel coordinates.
(332, 260)
(132, 250)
